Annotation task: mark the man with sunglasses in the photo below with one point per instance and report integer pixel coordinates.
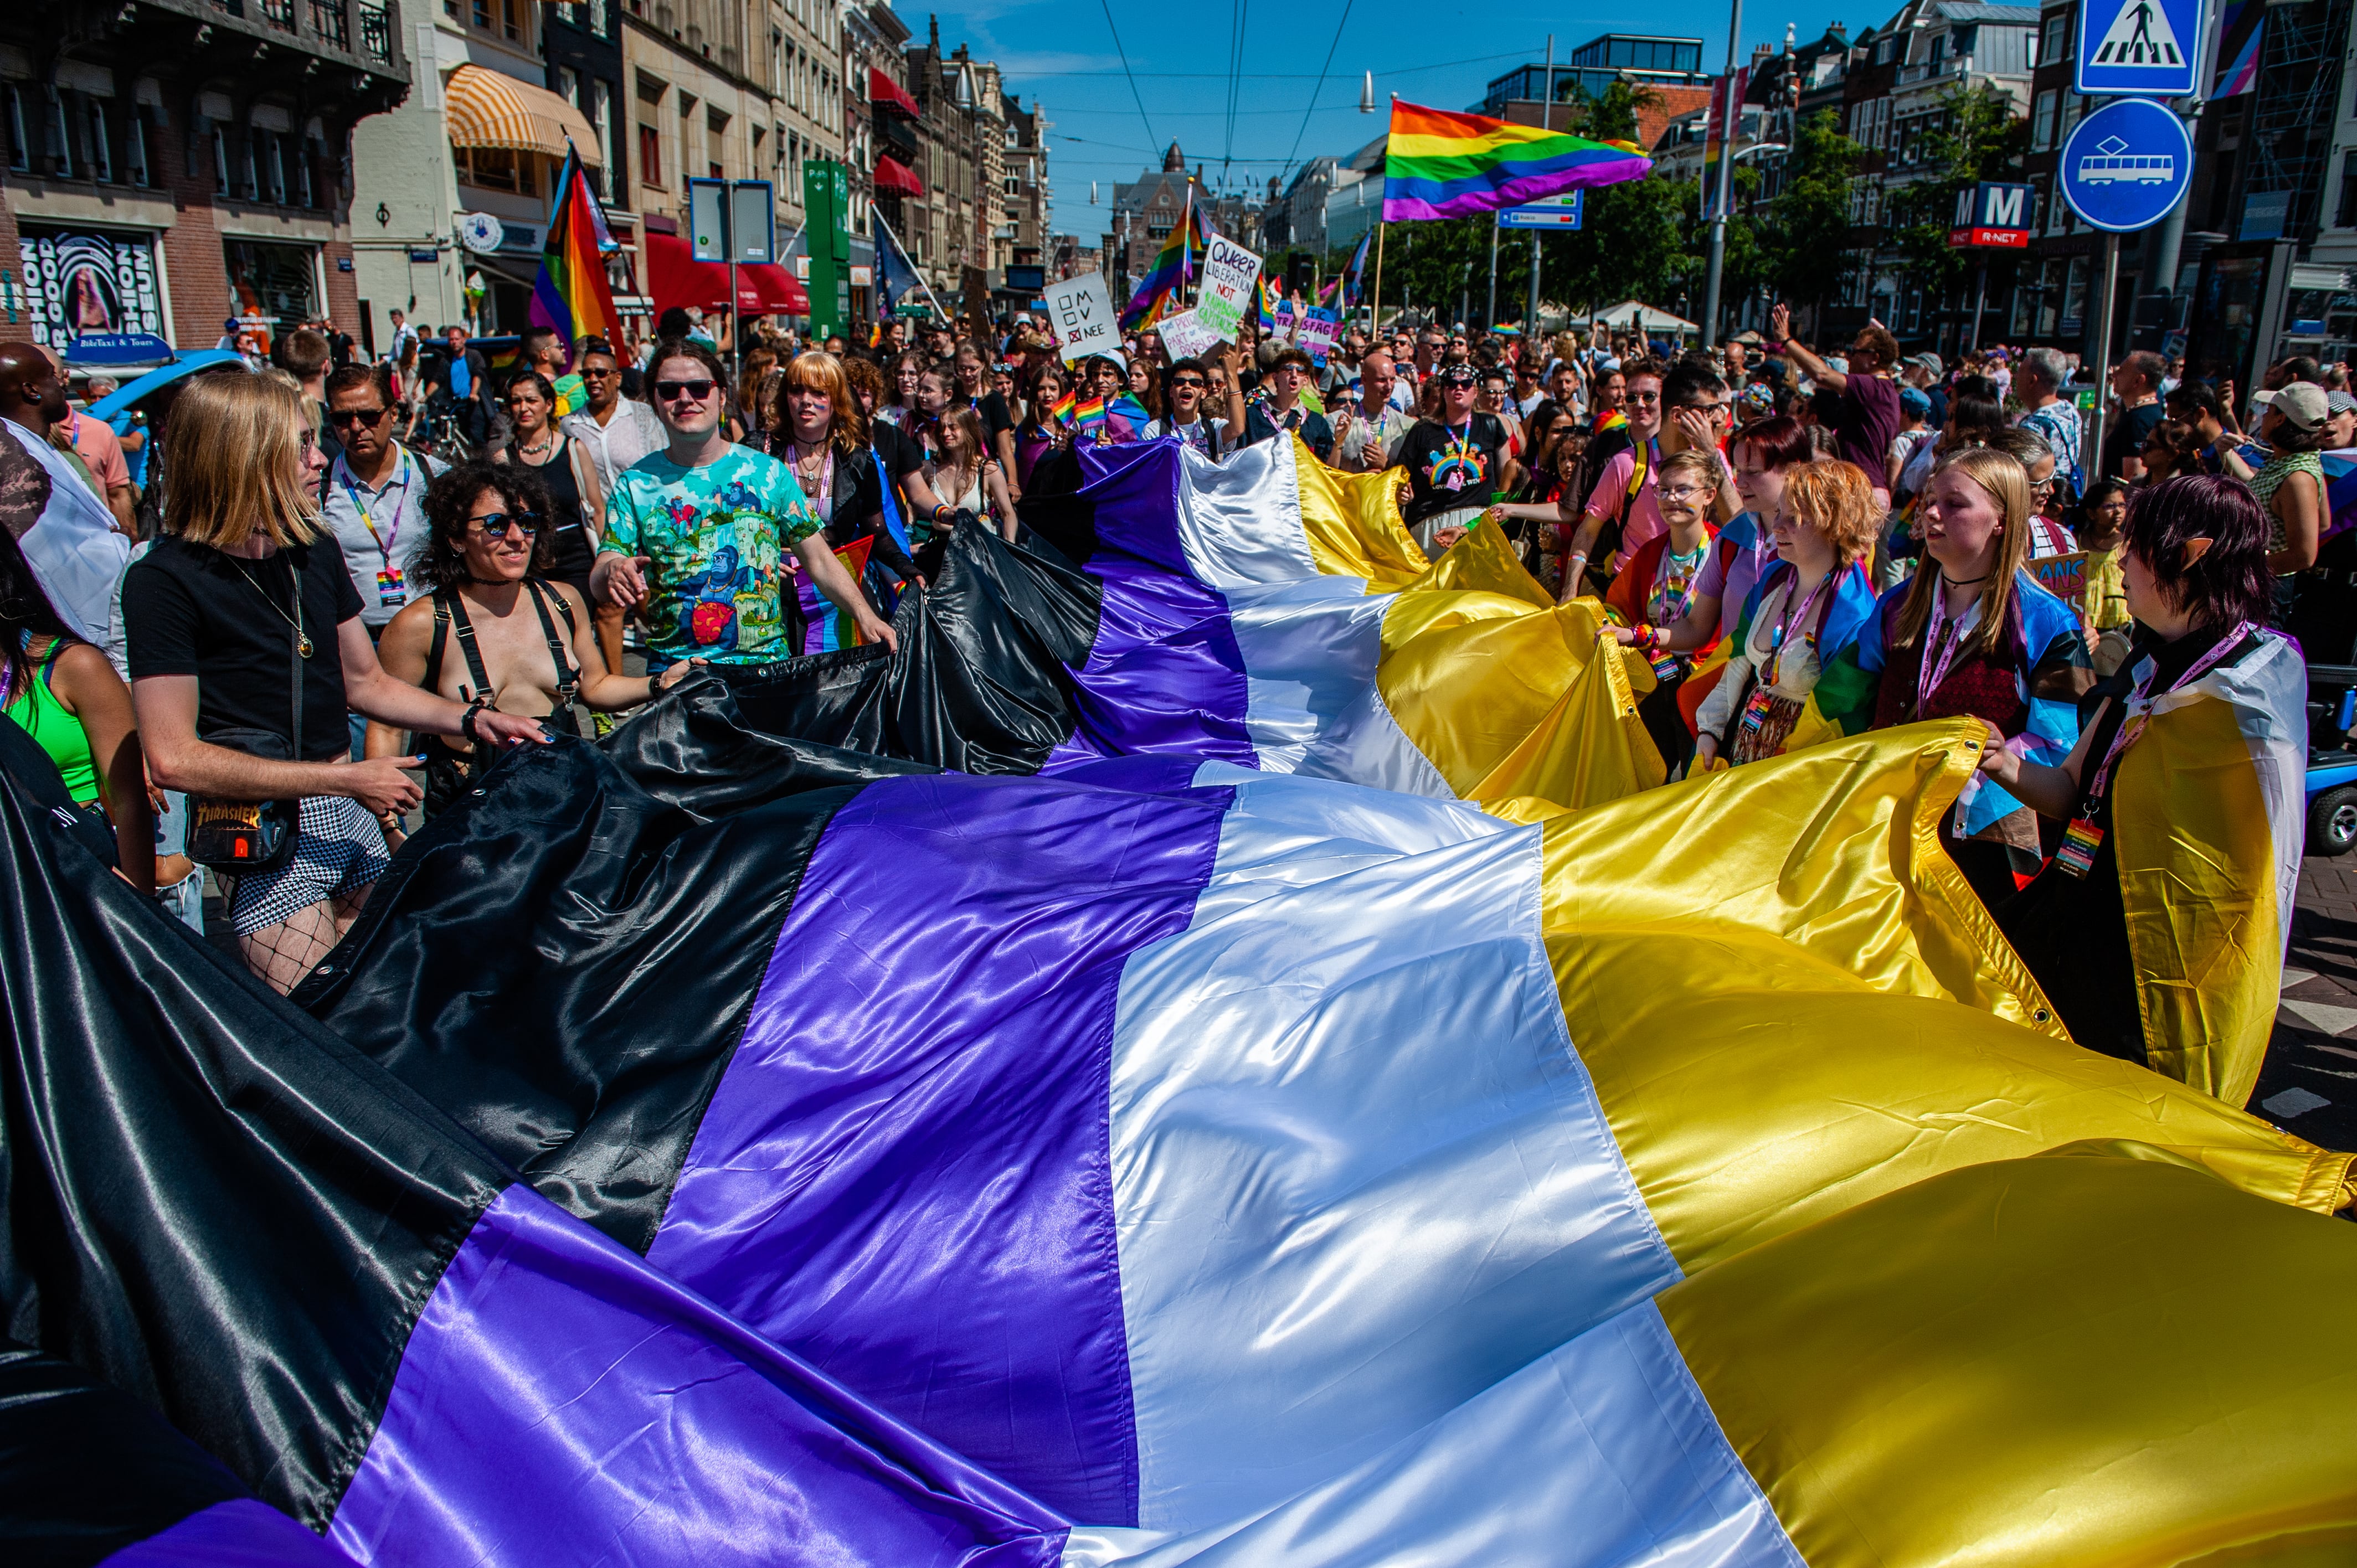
(372, 498)
(697, 534)
(1454, 462)
(1284, 413)
(616, 431)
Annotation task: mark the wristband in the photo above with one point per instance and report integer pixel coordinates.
(467, 721)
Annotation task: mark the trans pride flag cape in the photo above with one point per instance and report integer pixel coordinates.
(716, 1149)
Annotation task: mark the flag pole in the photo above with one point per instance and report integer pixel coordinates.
(1375, 311)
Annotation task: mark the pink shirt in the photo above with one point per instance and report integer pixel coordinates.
(95, 444)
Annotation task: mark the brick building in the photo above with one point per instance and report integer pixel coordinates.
(173, 164)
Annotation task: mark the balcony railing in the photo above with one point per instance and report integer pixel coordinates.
(327, 20)
(279, 13)
(376, 33)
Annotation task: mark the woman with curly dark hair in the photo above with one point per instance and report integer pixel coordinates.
(2157, 930)
(494, 625)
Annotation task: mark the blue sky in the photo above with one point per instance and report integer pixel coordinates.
(1062, 53)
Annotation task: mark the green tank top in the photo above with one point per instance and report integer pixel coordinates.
(56, 730)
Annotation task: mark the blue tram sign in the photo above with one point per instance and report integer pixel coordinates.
(2127, 164)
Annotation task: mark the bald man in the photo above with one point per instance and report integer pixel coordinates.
(32, 395)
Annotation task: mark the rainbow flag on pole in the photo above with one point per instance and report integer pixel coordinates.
(1439, 164)
(571, 293)
(1156, 294)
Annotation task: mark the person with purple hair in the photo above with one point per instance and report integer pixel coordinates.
(2157, 928)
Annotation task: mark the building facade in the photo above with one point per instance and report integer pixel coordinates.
(174, 163)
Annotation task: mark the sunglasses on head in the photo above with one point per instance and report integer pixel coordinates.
(696, 389)
(340, 417)
(497, 524)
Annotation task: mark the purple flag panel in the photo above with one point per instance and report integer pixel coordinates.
(902, 1175)
(239, 1535)
(561, 1402)
(1165, 674)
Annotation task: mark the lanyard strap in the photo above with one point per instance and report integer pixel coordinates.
(1790, 618)
(2139, 708)
(383, 542)
(1944, 636)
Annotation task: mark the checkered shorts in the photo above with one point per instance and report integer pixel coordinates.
(339, 847)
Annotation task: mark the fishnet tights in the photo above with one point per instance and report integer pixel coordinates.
(281, 955)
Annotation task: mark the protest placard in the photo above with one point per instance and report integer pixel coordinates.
(1084, 318)
(1230, 273)
(1283, 332)
(1187, 335)
(2064, 577)
(1318, 332)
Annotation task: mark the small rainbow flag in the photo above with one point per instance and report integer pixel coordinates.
(1267, 304)
(1090, 412)
(571, 293)
(1060, 410)
(1611, 419)
(1442, 165)
(1156, 294)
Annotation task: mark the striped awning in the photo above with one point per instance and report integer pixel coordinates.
(485, 109)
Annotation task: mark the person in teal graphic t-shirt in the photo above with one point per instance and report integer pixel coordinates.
(698, 534)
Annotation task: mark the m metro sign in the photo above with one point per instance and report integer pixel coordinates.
(1990, 214)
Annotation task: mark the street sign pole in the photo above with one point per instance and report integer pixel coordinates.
(1727, 127)
(1490, 319)
(1980, 295)
(2103, 338)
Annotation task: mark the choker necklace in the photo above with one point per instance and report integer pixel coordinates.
(1947, 581)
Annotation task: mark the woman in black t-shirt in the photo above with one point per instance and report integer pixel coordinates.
(220, 617)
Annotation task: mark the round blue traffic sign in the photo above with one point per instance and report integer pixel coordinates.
(2127, 164)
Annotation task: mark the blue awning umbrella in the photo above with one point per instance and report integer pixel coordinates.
(188, 364)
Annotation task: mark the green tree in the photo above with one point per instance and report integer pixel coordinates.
(1806, 249)
(1978, 136)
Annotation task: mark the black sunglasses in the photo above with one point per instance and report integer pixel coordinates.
(1178, 382)
(339, 417)
(1458, 381)
(699, 389)
(587, 372)
(496, 526)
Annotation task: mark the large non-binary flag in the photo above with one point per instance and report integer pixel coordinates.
(571, 293)
(1438, 164)
(716, 1149)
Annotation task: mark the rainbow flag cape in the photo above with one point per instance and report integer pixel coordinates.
(1439, 164)
(1156, 294)
(571, 293)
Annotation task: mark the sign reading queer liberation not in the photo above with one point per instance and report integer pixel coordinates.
(1229, 274)
(1085, 323)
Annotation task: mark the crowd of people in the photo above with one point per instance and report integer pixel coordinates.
(328, 622)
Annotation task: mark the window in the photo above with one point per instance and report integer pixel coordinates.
(450, 9)
(649, 157)
(20, 150)
(601, 116)
(308, 154)
(2042, 122)
(568, 85)
(2348, 215)
(483, 14)
(102, 153)
(2075, 297)
(273, 164)
(134, 147)
(220, 161)
(597, 22)
(249, 176)
(777, 63)
(2056, 45)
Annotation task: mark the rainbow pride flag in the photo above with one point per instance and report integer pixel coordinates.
(1156, 294)
(1440, 165)
(571, 293)
(1611, 419)
(1061, 411)
(1091, 413)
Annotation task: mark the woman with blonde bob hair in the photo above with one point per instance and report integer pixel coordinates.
(1804, 611)
(246, 651)
(1973, 633)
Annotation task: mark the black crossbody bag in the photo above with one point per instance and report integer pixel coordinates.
(246, 838)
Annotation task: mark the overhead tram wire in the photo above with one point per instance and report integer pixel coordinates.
(1135, 97)
(1311, 107)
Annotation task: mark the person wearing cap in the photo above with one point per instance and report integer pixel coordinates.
(1922, 372)
(2291, 484)
(2135, 382)
(2341, 421)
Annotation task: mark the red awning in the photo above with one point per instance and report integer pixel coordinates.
(882, 89)
(891, 174)
(675, 277)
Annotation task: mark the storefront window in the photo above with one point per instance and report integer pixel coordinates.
(94, 295)
(277, 284)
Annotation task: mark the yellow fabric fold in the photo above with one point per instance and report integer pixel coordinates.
(1353, 524)
(2042, 1363)
(1790, 1002)
(2198, 880)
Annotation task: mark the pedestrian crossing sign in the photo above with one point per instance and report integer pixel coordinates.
(2150, 47)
